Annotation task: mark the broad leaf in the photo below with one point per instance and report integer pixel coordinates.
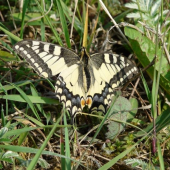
(118, 112)
(144, 49)
(132, 113)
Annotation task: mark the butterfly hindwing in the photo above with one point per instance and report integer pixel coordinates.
(71, 83)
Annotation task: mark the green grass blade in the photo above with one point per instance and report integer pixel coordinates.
(35, 93)
(161, 159)
(25, 5)
(62, 152)
(63, 23)
(40, 151)
(22, 83)
(18, 131)
(10, 34)
(6, 102)
(22, 138)
(42, 23)
(30, 150)
(49, 23)
(77, 23)
(148, 93)
(67, 145)
(7, 46)
(25, 97)
(3, 116)
(104, 119)
(42, 30)
(33, 99)
(35, 121)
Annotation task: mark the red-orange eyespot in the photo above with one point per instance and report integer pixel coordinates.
(83, 103)
(89, 101)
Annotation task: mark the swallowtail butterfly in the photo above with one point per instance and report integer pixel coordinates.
(82, 80)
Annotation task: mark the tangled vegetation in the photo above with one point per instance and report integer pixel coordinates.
(38, 133)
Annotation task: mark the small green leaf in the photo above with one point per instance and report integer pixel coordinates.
(22, 138)
(18, 131)
(10, 154)
(9, 160)
(3, 131)
(43, 163)
(131, 114)
(118, 112)
(6, 56)
(5, 140)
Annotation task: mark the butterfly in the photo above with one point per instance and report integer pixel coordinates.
(85, 80)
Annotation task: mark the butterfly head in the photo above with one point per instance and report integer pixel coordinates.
(84, 56)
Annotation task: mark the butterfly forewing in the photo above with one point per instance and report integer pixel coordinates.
(79, 83)
(47, 59)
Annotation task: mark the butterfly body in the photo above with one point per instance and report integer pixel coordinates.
(86, 80)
